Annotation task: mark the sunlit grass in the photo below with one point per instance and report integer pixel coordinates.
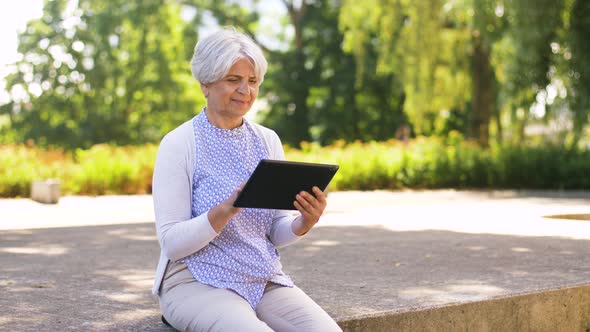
(99, 170)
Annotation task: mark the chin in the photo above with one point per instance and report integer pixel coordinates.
(243, 110)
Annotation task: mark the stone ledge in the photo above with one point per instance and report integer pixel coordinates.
(566, 309)
(393, 261)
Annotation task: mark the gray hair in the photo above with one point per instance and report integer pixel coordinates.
(215, 54)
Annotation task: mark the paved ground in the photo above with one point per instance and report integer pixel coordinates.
(87, 263)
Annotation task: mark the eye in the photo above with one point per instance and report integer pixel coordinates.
(253, 81)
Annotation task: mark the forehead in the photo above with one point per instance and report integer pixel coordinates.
(242, 67)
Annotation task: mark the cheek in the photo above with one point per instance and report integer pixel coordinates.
(254, 92)
(226, 95)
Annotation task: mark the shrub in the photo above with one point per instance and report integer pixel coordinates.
(99, 170)
(422, 163)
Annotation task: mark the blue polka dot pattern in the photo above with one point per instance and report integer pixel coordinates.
(241, 257)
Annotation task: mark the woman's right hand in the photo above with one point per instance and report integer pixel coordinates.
(220, 214)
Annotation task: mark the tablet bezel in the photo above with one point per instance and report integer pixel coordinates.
(264, 190)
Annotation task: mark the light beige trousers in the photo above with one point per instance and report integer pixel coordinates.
(189, 305)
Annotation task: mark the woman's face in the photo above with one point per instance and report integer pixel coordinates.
(230, 98)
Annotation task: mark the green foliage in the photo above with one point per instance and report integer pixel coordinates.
(117, 72)
(114, 72)
(422, 163)
(451, 163)
(105, 169)
(20, 165)
(312, 90)
(100, 170)
(421, 44)
(484, 60)
(579, 59)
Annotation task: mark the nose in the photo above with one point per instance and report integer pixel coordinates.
(243, 88)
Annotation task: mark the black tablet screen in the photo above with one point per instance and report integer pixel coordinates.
(274, 183)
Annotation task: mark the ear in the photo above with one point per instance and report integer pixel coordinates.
(205, 89)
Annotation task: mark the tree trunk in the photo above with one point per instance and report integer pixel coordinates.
(301, 113)
(499, 128)
(484, 95)
(356, 130)
(300, 94)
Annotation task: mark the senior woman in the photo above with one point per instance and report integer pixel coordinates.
(219, 268)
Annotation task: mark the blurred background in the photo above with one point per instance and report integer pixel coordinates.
(401, 94)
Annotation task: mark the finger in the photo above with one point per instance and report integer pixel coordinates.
(301, 209)
(300, 198)
(308, 218)
(318, 205)
(238, 190)
(306, 208)
(320, 195)
(234, 196)
(311, 204)
(241, 186)
(309, 199)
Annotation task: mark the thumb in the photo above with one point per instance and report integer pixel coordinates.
(242, 185)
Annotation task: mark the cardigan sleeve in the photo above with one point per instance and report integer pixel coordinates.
(281, 233)
(179, 234)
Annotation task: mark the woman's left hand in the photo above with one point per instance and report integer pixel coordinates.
(311, 209)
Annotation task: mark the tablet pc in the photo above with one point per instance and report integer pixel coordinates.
(274, 183)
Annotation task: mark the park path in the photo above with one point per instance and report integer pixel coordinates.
(87, 263)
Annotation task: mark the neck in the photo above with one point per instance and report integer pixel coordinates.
(223, 122)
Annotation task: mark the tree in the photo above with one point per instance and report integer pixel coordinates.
(95, 72)
(579, 74)
(450, 54)
(526, 64)
(440, 52)
(311, 88)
